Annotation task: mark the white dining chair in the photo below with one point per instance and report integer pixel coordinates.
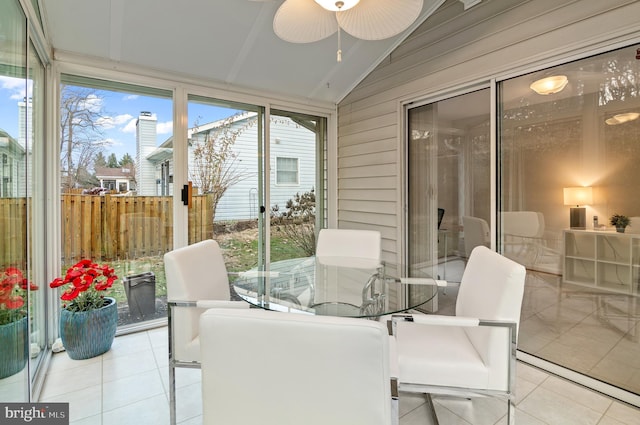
(196, 281)
(344, 255)
(266, 367)
(473, 352)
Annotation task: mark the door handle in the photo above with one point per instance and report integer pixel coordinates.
(186, 194)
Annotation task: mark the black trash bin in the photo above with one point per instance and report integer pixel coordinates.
(141, 294)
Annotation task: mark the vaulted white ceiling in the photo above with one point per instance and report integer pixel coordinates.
(230, 42)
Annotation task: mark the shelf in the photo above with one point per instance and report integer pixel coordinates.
(614, 248)
(605, 260)
(580, 271)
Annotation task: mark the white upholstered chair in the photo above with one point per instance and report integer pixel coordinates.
(266, 367)
(342, 246)
(474, 351)
(196, 280)
(476, 233)
(340, 253)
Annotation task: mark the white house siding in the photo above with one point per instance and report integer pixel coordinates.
(146, 144)
(240, 201)
(452, 49)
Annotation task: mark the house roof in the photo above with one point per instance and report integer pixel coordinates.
(230, 43)
(115, 173)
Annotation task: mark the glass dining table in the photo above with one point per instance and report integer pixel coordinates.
(335, 286)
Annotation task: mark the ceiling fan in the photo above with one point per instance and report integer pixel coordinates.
(306, 21)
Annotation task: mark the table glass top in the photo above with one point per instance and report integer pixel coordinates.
(336, 286)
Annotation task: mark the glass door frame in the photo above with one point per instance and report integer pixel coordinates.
(410, 104)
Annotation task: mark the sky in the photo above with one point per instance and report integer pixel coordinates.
(122, 111)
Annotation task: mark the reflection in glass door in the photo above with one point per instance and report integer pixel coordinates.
(448, 184)
(35, 147)
(15, 302)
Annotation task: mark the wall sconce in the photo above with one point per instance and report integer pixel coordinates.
(578, 196)
(549, 85)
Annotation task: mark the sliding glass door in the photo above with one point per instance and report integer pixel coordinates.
(448, 169)
(226, 174)
(255, 181)
(23, 292)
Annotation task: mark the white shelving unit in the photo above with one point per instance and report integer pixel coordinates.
(601, 259)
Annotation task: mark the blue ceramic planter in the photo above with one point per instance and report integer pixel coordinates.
(87, 334)
(14, 346)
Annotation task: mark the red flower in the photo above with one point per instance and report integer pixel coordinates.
(13, 287)
(82, 282)
(15, 301)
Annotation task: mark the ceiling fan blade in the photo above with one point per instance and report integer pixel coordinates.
(379, 19)
(303, 21)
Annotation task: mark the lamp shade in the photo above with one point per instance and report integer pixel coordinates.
(578, 196)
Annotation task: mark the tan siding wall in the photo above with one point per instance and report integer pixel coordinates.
(455, 49)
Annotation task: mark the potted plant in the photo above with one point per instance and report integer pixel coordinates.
(88, 319)
(620, 222)
(14, 339)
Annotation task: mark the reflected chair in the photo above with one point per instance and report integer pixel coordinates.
(473, 352)
(278, 368)
(527, 242)
(476, 233)
(196, 280)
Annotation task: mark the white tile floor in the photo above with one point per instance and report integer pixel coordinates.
(128, 385)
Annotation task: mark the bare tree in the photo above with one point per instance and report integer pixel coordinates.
(81, 112)
(214, 167)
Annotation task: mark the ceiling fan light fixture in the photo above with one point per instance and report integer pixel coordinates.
(337, 5)
(549, 85)
(623, 118)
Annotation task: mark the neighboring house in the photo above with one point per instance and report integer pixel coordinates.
(120, 180)
(12, 167)
(292, 164)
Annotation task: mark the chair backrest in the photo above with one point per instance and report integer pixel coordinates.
(335, 245)
(194, 272)
(476, 233)
(279, 368)
(491, 288)
(526, 224)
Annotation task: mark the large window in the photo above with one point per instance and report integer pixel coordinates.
(114, 209)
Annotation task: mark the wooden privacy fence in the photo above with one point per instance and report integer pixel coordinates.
(105, 227)
(13, 232)
(126, 227)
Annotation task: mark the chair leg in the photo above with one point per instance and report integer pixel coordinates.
(432, 408)
(511, 411)
(172, 394)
